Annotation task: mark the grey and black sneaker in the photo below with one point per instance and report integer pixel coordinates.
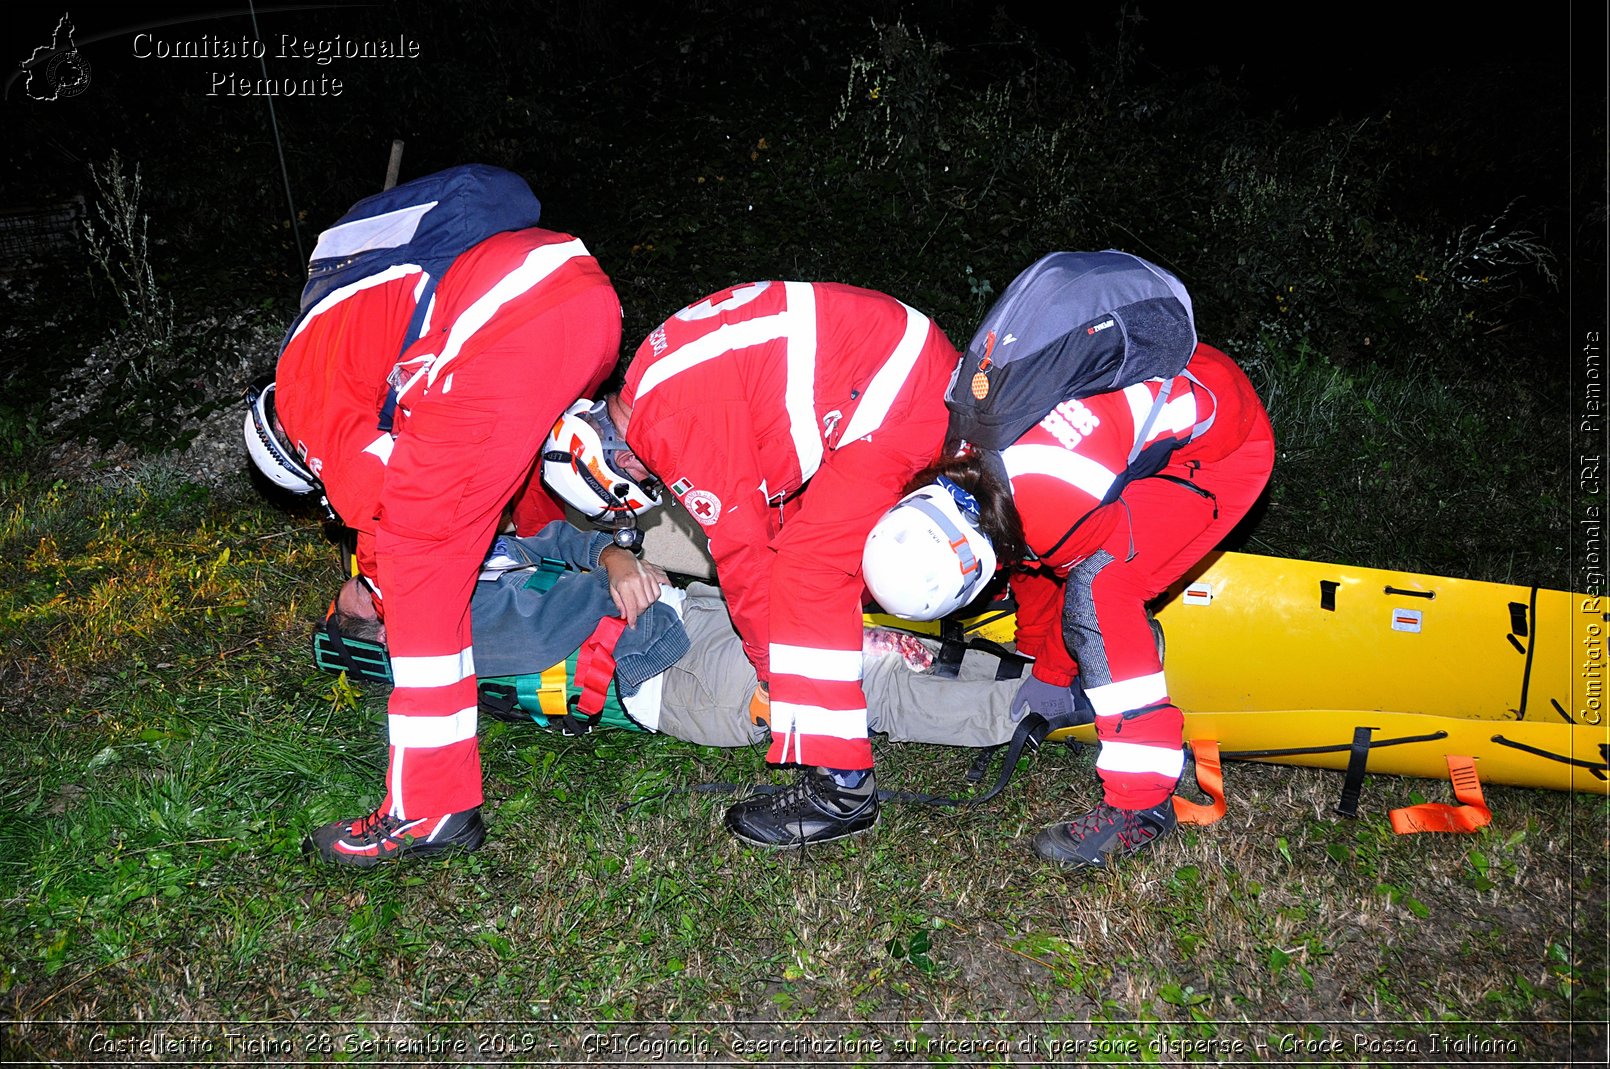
(1105, 831)
(816, 809)
(378, 837)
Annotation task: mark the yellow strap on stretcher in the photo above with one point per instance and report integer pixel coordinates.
(551, 691)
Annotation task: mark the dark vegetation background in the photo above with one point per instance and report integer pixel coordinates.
(1382, 218)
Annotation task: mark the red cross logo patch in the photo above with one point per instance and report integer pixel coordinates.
(703, 506)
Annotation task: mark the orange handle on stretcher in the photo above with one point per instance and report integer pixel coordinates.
(1210, 778)
(1470, 814)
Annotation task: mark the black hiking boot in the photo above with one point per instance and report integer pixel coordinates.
(816, 809)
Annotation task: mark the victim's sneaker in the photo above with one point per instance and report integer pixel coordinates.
(379, 837)
(1090, 838)
(814, 810)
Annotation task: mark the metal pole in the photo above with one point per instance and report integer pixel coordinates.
(273, 121)
(394, 165)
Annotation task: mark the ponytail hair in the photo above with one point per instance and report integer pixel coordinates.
(997, 513)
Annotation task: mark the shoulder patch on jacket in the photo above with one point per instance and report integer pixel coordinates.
(703, 506)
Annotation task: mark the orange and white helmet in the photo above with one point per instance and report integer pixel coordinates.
(578, 464)
(927, 557)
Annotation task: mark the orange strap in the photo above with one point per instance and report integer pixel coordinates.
(595, 664)
(1470, 814)
(760, 707)
(1210, 778)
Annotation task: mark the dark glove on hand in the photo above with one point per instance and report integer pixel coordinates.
(1047, 699)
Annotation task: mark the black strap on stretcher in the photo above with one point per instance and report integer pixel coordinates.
(335, 652)
(1358, 752)
(1353, 785)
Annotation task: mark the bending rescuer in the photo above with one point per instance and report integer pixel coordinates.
(1108, 499)
(786, 417)
(521, 324)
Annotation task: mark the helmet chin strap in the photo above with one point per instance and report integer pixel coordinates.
(559, 456)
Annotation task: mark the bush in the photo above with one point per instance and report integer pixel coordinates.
(931, 160)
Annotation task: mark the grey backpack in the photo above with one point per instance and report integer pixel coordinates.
(1074, 324)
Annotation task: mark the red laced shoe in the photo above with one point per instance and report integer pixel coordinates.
(378, 837)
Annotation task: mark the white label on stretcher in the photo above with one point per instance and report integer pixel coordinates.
(1197, 594)
(1407, 620)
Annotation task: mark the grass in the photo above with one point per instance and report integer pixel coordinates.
(170, 744)
(1404, 468)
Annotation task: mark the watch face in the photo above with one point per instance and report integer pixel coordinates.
(628, 538)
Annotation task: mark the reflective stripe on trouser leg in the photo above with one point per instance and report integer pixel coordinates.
(433, 756)
(818, 713)
(1141, 757)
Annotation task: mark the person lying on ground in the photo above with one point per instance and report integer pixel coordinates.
(679, 666)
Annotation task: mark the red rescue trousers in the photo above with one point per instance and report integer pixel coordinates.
(1172, 522)
(466, 448)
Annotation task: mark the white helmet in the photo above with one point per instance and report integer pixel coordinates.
(926, 557)
(578, 464)
(271, 454)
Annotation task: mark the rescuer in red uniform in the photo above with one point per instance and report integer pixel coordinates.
(786, 417)
(522, 324)
(1097, 560)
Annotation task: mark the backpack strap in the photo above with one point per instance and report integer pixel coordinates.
(1144, 431)
(1207, 424)
(1163, 393)
(1139, 447)
(416, 327)
(388, 410)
